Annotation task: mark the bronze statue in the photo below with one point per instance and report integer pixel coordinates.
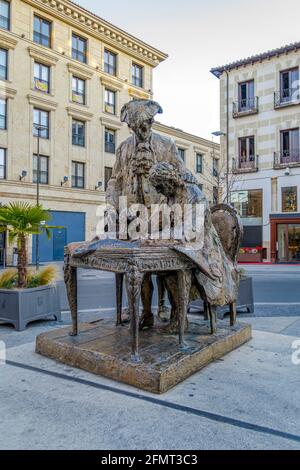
(149, 171)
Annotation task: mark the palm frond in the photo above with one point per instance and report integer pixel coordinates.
(8, 279)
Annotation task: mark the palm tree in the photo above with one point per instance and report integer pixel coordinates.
(20, 220)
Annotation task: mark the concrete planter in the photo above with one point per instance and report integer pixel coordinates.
(245, 300)
(22, 306)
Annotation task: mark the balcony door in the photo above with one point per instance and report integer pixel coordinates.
(289, 146)
(246, 96)
(289, 85)
(246, 152)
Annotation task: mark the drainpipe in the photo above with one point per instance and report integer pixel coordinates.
(227, 139)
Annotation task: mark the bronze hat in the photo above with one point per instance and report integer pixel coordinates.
(138, 111)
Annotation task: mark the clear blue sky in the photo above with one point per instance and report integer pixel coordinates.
(197, 35)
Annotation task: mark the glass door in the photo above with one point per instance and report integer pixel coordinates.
(294, 243)
(2, 247)
(288, 237)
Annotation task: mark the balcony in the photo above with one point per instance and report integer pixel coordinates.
(286, 97)
(248, 166)
(245, 107)
(286, 158)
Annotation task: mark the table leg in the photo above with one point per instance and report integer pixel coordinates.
(233, 314)
(134, 281)
(70, 276)
(119, 297)
(184, 288)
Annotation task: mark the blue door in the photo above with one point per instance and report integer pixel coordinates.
(59, 236)
(71, 228)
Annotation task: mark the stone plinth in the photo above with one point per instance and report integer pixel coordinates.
(104, 349)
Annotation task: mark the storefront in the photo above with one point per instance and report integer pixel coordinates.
(249, 204)
(285, 238)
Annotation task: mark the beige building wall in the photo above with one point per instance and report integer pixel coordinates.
(192, 146)
(22, 97)
(265, 125)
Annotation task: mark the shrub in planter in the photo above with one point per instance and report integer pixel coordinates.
(26, 295)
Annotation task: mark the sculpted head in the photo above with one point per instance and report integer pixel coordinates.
(139, 116)
(165, 178)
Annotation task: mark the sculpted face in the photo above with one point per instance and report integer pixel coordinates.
(142, 130)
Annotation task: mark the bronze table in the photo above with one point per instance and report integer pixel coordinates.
(133, 263)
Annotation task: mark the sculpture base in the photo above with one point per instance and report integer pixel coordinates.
(104, 349)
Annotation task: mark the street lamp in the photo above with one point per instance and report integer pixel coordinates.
(38, 128)
(223, 134)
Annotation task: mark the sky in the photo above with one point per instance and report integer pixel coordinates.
(198, 35)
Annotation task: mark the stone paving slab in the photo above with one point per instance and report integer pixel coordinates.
(57, 407)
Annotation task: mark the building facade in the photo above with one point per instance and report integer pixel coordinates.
(200, 155)
(260, 115)
(65, 74)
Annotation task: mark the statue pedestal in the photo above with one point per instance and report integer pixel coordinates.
(104, 349)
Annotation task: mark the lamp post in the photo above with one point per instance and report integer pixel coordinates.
(37, 242)
(222, 134)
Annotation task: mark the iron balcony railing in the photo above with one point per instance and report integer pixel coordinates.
(286, 158)
(286, 97)
(246, 165)
(245, 107)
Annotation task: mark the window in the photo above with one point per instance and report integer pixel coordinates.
(42, 31)
(289, 142)
(110, 101)
(289, 85)
(3, 64)
(246, 150)
(3, 114)
(249, 204)
(4, 14)
(2, 164)
(78, 133)
(200, 186)
(181, 153)
(42, 77)
(137, 75)
(78, 90)
(215, 195)
(246, 96)
(77, 175)
(110, 141)
(43, 169)
(289, 199)
(110, 62)
(107, 176)
(199, 163)
(79, 48)
(41, 123)
(215, 167)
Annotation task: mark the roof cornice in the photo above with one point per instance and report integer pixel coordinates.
(180, 134)
(218, 71)
(91, 24)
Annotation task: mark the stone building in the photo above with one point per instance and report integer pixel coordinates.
(260, 115)
(65, 74)
(200, 155)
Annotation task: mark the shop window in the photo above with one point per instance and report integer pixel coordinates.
(289, 199)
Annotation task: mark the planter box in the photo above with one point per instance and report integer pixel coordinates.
(250, 257)
(245, 300)
(20, 307)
